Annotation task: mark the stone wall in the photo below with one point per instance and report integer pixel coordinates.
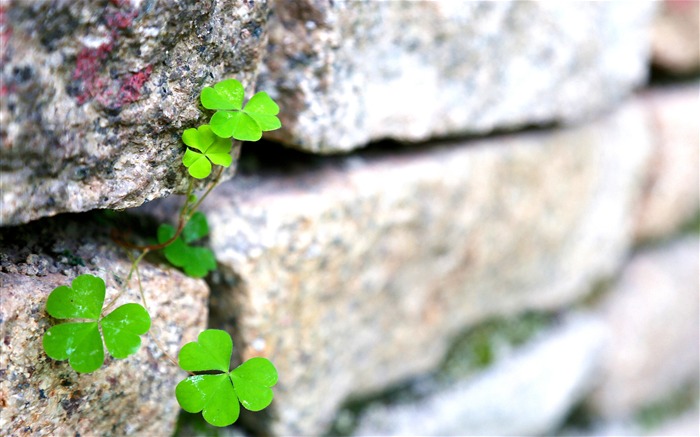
(504, 242)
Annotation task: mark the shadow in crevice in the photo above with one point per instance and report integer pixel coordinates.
(268, 157)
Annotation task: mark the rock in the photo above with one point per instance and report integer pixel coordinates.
(41, 396)
(686, 425)
(672, 193)
(354, 273)
(528, 394)
(653, 314)
(676, 37)
(95, 96)
(347, 73)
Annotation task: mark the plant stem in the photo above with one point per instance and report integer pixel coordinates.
(134, 267)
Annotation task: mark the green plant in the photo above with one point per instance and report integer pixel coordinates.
(212, 394)
(80, 342)
(212, 387)
(232, 119)
(195, 261)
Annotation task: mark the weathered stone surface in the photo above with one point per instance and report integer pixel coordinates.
(346, 73)
(672, 191)
(528, 394)
(653, 314)
(40, 396)
(686, 425)
(95, 95)
(676, 36)
(354, 275)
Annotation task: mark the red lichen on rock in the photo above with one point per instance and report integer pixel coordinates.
(87, 67)
(130, 90)
(120, 20)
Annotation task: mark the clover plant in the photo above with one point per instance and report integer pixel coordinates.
(80, 342)
(217, 391)
(212, 387)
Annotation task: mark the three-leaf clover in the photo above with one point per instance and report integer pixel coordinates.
(232, 119)
(80, 342)
(210, 149)
(196, 261)
(217, 393)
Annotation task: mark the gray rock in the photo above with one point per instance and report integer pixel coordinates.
(346, 73)
(354, 274)
(527, 394)
(671, 189)
(653, 314)
(676, 37)
(133, 396)
(96, 94)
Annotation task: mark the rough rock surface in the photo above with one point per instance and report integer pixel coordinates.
(346, 73)
(672, 191)
(528, 394)
(43, 397)
(653, 314)
(676, 37)
(444, 237)
(95, 95)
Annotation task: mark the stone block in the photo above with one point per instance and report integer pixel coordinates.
(95, 96)
(133, 396)
(676, 37)
(672, 188)
(529, 393)
(354, 274)
(653, 314)
(347, 73)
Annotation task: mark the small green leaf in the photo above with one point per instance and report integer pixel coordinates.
(213, 395)
(197, 164)
(211, 351)
(217, 395)
(208, 148)
(264, 110)
(80, 343)
(252, 381)
(196, 228)
(83, 300)
(232, 120)
(195, 261)
(227, 94)
(123, 328)
(238, 125)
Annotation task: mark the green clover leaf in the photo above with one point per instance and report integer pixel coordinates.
(217, 395)
(210, 149)
(232, 119)
(80, 342)
(195, 261)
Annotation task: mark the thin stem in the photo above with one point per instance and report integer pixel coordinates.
(134, 267)
(185, 215)
(157, 342)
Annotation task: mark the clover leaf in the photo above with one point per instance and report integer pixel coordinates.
(217, 392)
(80, 342)
(195, 261)
(210, 149)
(232, 119)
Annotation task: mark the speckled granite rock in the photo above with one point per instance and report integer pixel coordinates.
(653, 314)
(676, 37)
(346, 73)
(672, 191)
(527, 394)
(355, 274)
(43, 397)
(96, 93)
